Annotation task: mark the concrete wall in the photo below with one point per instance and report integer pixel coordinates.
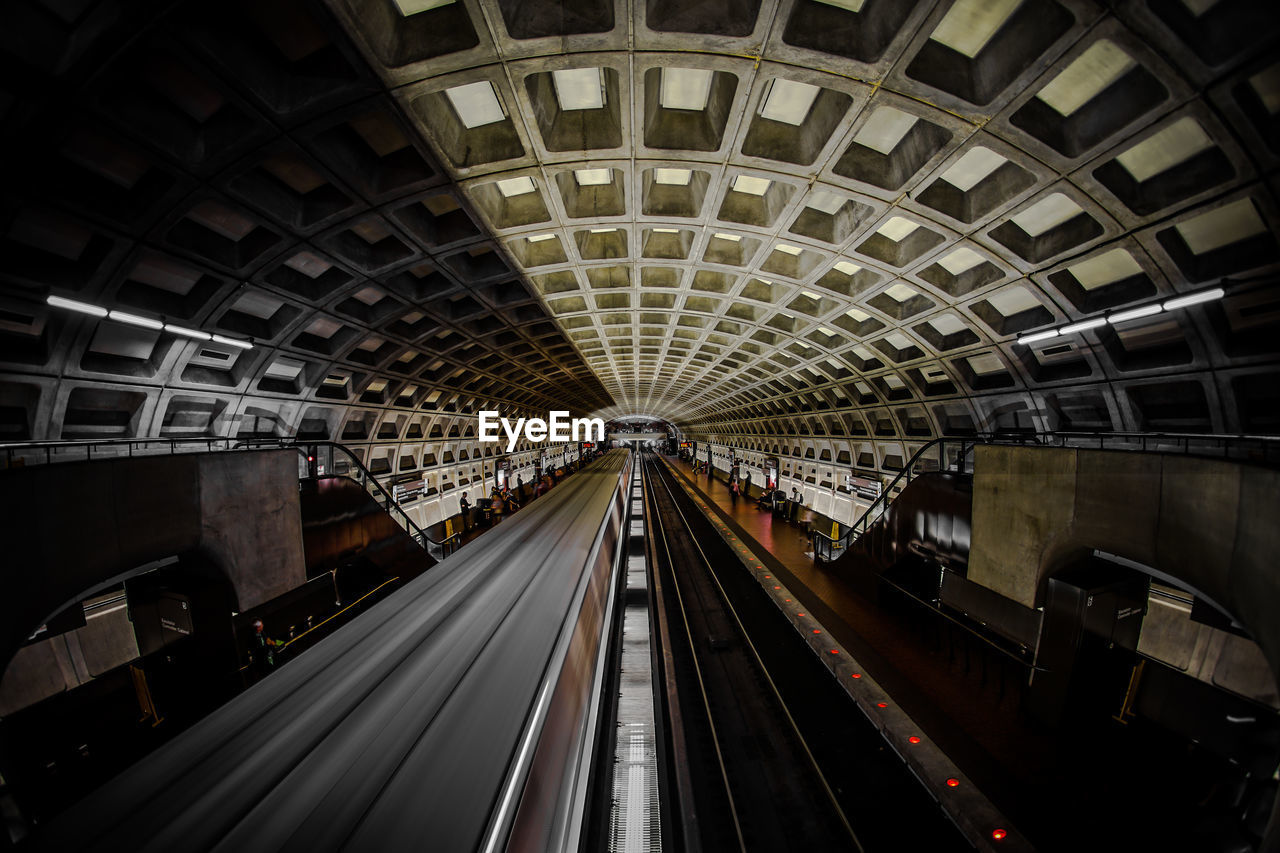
(73, 527)
(41, 669)
(1210, 523)
(1205, 653)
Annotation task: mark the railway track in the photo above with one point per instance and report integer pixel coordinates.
(775, 755)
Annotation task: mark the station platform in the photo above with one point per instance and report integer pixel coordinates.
(959, 701)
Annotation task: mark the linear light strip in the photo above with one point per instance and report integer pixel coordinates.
(1127, 314)
(143, 322)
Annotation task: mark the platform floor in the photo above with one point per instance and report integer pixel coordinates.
(979, 726)
(1144, 783)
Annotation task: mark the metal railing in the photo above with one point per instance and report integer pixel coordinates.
(940, 454)
(339, 461)
(25, 453)
(951, 454)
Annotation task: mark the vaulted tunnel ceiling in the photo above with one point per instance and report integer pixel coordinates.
(746, 217)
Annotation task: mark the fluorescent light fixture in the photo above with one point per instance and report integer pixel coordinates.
(603, 230)
(789, 250)
(1038, 336)
(685, 88)
(666, 231)
(476, 103)
(233, 342)
(135, 320)
(751, 186)
(188, 333)
(592, 177)
(515, 186)
(579, 88)
(847, 267)
(788, 101)
(538, 238)
(73, 305)
(672, 177)
(1193, 299)
(851, 5)
(1134, 313)
(732, 238)
(1083, 325)
(1081, 81)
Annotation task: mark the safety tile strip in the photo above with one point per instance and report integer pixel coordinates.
(982, 824)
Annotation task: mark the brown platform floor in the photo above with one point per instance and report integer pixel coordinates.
(980, 729)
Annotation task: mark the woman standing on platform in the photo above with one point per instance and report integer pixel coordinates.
(733, 491)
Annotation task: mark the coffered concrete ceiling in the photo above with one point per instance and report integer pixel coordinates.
(791, 218)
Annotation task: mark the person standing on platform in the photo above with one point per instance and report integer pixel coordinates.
(262, 649)
(733, 492)
(465, 505)
(746, 485)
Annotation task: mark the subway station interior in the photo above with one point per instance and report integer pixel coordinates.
(934, 347)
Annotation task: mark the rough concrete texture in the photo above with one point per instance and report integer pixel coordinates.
(1210, 523)
(1021, 498)
(1206, 653)
(62, 662)
(258, 539)
(79, 526)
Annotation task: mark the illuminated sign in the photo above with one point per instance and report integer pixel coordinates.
(410, 491)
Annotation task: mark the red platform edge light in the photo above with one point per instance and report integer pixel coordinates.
(817, 631)
(835, 651)
(998, 834)
(882, 704)
(857, 675)
(913, 739)
(953, 783)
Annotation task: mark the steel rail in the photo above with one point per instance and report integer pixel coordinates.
(826, 786)
(697, 669)
(664, 663)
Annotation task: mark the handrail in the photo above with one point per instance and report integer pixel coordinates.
(310, 451)
(827, 548)
(210, 443)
